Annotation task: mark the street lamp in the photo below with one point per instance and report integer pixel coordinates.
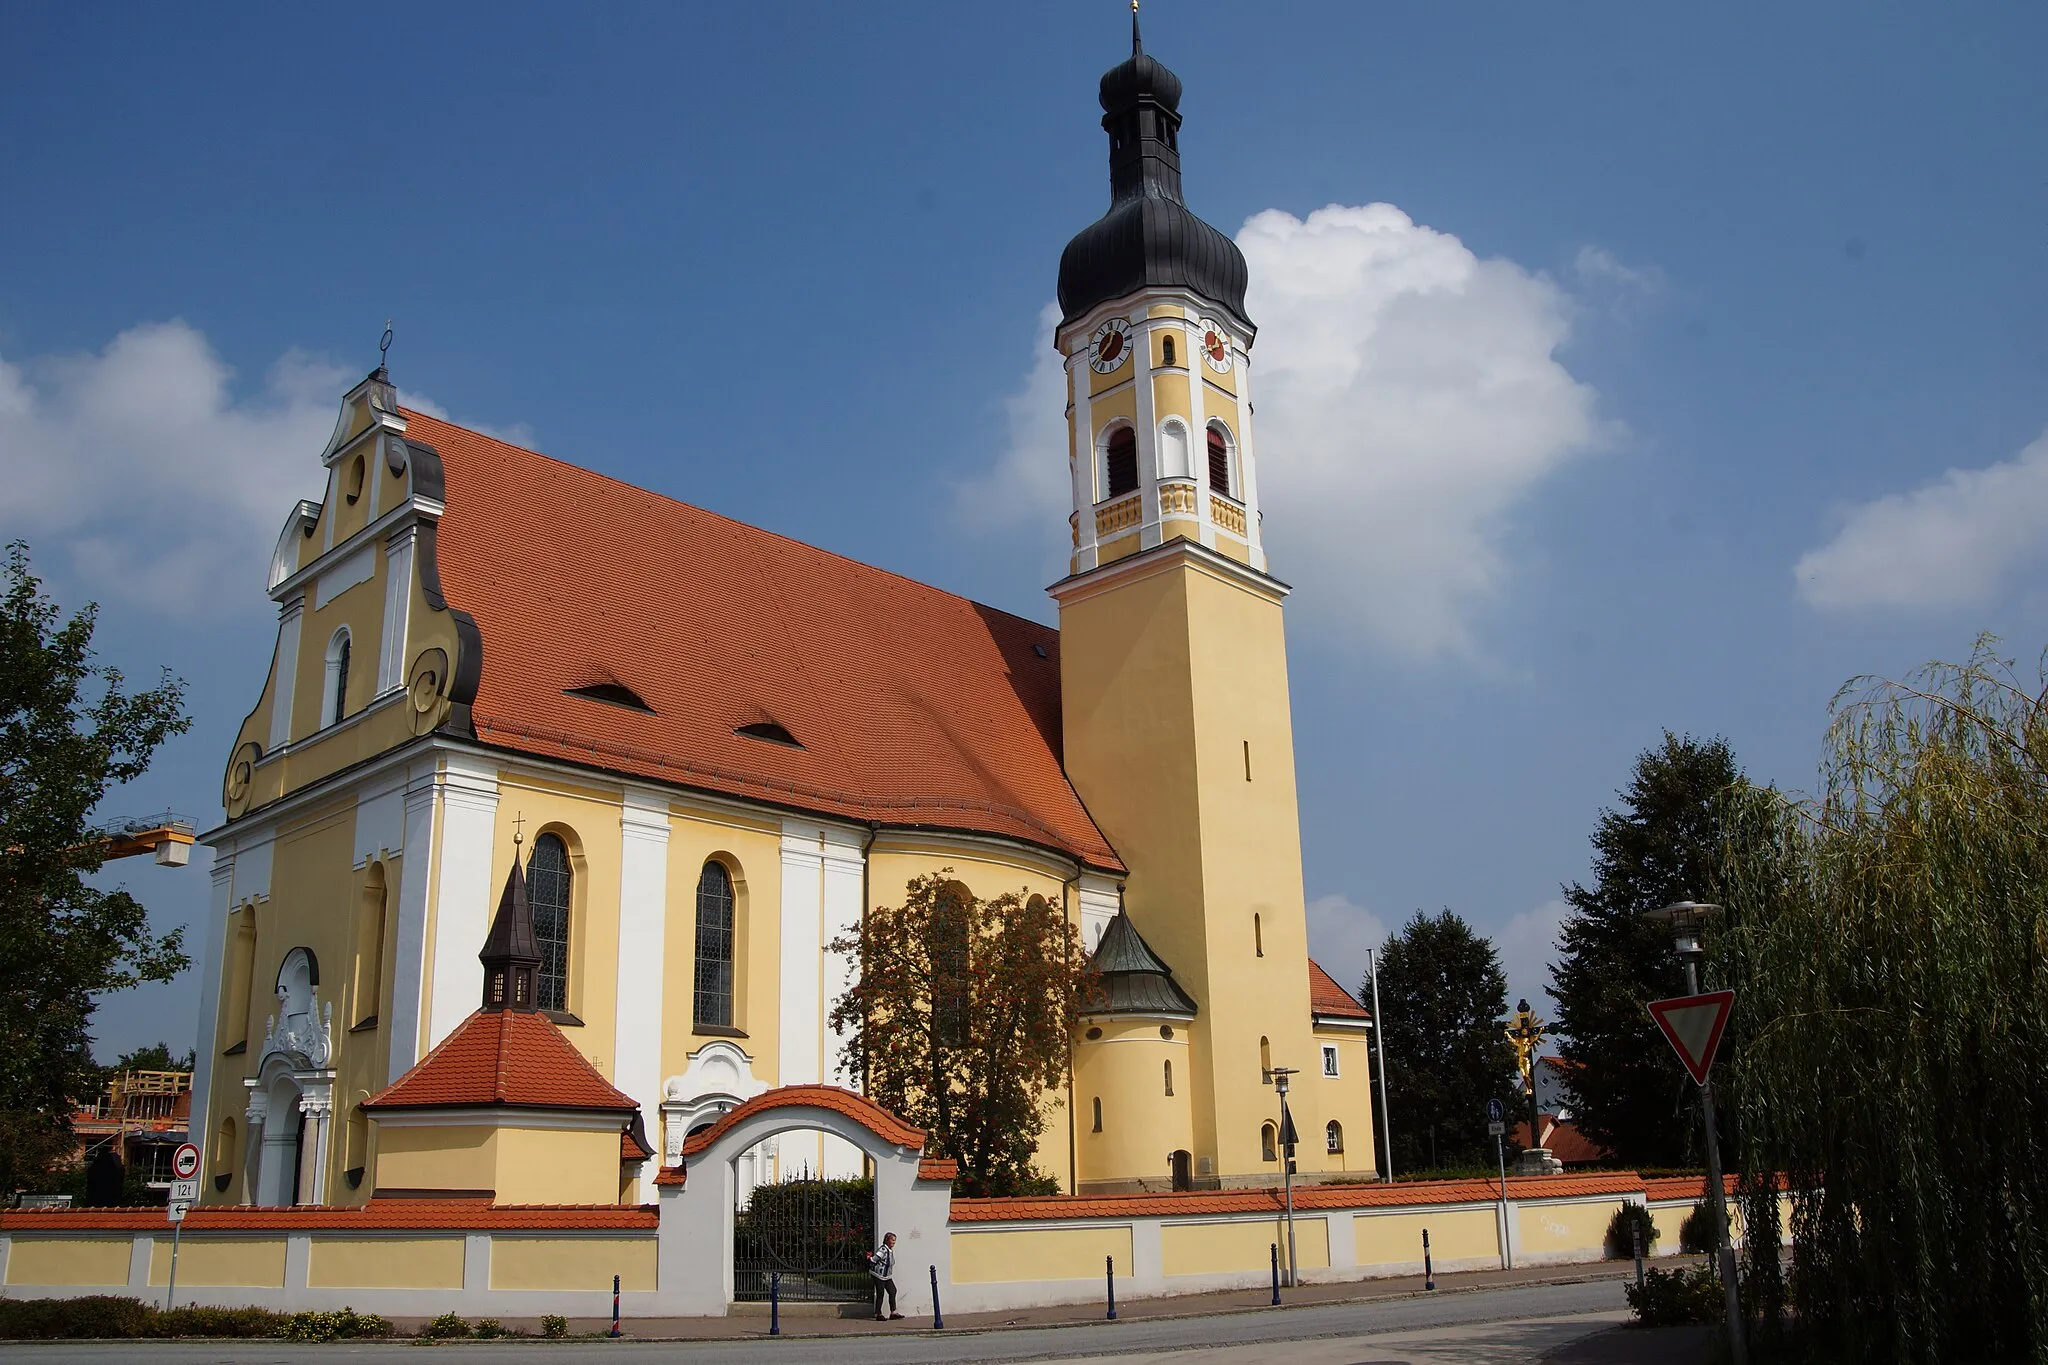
(1686, 919)
(1287, 1140)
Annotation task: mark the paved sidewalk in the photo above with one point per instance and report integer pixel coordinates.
(825, 1320)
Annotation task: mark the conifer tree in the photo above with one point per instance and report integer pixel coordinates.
(1664, 843)
(1442, 997)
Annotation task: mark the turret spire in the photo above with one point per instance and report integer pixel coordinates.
(511, 954)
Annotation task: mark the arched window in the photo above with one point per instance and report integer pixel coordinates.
(1173, 452)
(1166, 350)
(1169, 1077)
(1121, 462)
(1333, 1137)
(334, 697)
(714, 947)
(1266, 1060)
(951, 964)
(1219, 461)
(1269, 1143)
(547, 889)
(370, 920)
(1098, 1114)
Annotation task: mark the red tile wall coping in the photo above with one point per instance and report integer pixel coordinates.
(862, 1110)
(1311, 1197)
(1685, 1186)
(379, 1215)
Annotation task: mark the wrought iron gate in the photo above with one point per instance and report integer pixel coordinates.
(815, 1233)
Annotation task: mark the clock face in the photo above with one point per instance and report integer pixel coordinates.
(1112, 345)
(1215, 347)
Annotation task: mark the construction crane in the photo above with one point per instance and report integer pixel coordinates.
(166, 834)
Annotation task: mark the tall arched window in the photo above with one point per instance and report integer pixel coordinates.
(1269, 1139)
(1098, 1115)
(1121, 462)
(1219, 461)
(547, 889)
(334, 697)
(1266, 1060)
(1169, 1078)
(1166, 351)
(713, 1005)
(1333, 1137)
(951, 962)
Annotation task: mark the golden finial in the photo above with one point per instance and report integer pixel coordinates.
(518, 821)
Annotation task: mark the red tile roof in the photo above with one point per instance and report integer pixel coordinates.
(503, 1057)
(630, 1150)
(1687, 1186)
(378, 1215)
(1225, 1202)
(1325, 996)
(862, 1110)
(1563, 1140)
(912, 706)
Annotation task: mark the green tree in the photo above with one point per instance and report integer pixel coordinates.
(1442, 997)
(1888, 947)
(961, 1022)
(1664, 843)
(68, 733)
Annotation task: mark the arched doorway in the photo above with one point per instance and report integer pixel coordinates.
(1183, 1167)
(705, 1225)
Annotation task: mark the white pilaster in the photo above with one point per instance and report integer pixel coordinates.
(1097, 896)
(463, 886)
(285, 670)
(401, 1013)
(643, 917)
(803, 945)
(398, 554)
(207, 1045)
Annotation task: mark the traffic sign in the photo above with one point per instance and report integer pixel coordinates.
(177, 1212)
(185, 1161)
(1496, 1112)
(184, 1191)
(1496, 1128)
(1694, 1025)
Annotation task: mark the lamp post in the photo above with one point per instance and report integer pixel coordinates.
(1379, 1040)
(1287, 1141)
(1686, 919)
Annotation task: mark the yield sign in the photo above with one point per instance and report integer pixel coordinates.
(1694, 1024)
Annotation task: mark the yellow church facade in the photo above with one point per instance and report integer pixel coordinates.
(707, 749)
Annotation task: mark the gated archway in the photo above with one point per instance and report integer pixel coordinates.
(701, 1230)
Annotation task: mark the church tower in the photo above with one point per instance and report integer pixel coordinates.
(1172, 658)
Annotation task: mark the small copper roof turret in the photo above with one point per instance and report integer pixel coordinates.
(511, 955)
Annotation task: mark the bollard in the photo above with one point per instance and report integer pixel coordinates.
(1109, 1263)
(1428, 1270)
(615, 1307)
(1276, 1273)
(1636, 1227)
(938, 1319)
(774, 1303)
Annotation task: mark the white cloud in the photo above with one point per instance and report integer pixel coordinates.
(1528, 945)
(1409, 396)
(1339, 933)
(1948, 543)
(143, 472)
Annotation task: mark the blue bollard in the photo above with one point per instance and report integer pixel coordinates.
(938, 1319)
(1110, 1263)
(774, 1303)
(1428, 1271)
(615, 1307)
(1276, 1273)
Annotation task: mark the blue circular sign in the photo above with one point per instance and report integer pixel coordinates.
(1495, 1111)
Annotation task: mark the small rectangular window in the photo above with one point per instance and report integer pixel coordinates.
(1329, 1060)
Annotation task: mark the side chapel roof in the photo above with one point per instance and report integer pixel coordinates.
(504, 1057)
(1131, 978)
(908, 705)
(1327, 999)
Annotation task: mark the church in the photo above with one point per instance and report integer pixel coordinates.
(557, 790)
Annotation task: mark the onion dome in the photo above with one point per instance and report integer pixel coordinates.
(1149, 238)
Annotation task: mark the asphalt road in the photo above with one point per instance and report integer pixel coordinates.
(1493, 1325)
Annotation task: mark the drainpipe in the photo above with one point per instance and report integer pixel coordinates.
(1073, 1134)
(874, 832)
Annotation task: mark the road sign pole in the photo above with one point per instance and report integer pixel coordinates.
(1717, 1194)
(1500, 1153)
(171, 1289)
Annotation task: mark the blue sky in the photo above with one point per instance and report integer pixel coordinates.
(1691, 365)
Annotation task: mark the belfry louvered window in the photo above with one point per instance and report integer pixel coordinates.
(548, 888)
(1219, 462)
(1122, 462)
(713, 1003)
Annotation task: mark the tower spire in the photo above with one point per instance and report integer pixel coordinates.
(1137, 43)
(511, 954)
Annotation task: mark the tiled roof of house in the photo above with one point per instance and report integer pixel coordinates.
(503, 1057)
(1563, 1140)
(910, 706)
(377, 1216)
(1325, 996)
